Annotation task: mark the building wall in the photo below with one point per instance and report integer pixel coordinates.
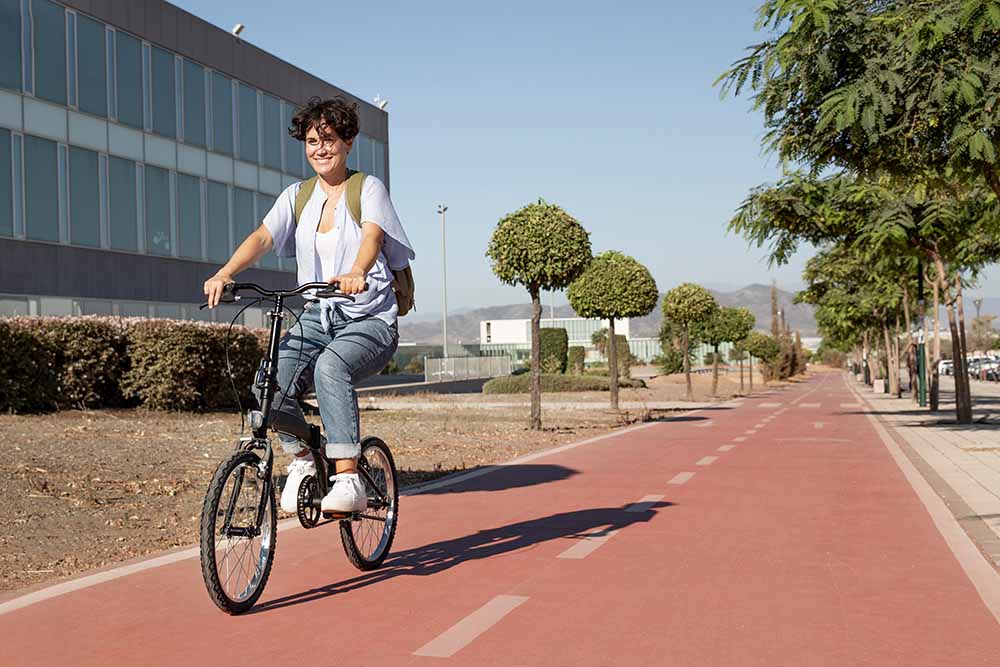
(139, 145)
(518, 332)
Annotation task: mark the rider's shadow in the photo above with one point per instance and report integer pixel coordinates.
(439, 556)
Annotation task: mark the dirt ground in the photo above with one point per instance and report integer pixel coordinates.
(83, 489)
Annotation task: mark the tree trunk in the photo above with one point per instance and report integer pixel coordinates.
(687, 362)
(911, 359)
(535, 422)
(741, 372)
(896, 362)
(866, 368)
(935, 384)
(889, 361)
(715, 371)
(961, 378)
(750, 362)
(965, 346)
(613, 362)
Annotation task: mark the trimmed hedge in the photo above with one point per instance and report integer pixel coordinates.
(521, 384)
(574, 359)
(553, 346)
(106, 361)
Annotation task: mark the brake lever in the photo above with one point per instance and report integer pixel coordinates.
(231, 299)
(329, 294)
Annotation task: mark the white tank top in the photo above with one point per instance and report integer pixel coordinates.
(326, 242)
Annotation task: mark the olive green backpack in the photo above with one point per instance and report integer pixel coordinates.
(402, 283)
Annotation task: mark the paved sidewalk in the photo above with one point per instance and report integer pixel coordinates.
(962, 463)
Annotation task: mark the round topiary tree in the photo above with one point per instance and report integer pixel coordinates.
(613, 286)
(686, 306)
(541, 247)
(762, 346)
(726, 325)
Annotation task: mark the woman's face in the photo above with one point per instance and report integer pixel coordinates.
(327, 153)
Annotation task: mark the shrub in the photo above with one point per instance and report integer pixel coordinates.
(28, 381)
(521, 384)
(574, 359)
(415, 365)
(671, 361)
(554, 344)
(90, 357)
(182, 365)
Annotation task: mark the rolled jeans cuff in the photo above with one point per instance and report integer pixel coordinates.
(343, 450)
(290, 444)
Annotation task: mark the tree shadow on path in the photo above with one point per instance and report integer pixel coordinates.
(433, 558)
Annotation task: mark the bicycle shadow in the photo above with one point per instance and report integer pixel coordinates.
(433, 558)
(490, 478)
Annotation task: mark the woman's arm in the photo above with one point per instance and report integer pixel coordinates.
(371, 243)
(253, 248)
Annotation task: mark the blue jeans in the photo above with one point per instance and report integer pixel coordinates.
(331, 359)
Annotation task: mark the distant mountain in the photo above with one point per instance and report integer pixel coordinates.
(463, 327)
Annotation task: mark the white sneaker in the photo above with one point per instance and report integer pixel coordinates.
(297, 469)
(346, 495)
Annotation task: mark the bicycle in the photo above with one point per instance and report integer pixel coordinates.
(238, 519)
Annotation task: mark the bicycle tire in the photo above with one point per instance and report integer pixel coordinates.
(214, 583)
(375, 454)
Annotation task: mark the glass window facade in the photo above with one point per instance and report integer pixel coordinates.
(92, 66)
(128, 74)
(248, 123)
(84, 198)
(264, 204)
(189, 216)
(122, 195)
(41, 204)
(294, 151)
(164, 96)
(49, 36)
(217, 246)
(363, 145)
(6, 186)
(157, 191)
(270, 132)
(222, 114)
(243, 216)
(10, 44)
(194, 104)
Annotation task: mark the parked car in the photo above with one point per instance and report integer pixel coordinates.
(946, 367)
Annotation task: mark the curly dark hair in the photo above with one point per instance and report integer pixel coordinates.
(335, 114)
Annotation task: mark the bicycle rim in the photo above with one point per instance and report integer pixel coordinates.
(367, 539)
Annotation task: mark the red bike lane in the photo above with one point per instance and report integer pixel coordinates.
(777, 532)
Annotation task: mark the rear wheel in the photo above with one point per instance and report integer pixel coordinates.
(368, 538)
(236, 552)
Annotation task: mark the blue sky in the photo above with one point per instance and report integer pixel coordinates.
(607, 110)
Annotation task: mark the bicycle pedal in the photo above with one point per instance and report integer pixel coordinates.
(336, 515)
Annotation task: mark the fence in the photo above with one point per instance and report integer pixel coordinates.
(465, 368)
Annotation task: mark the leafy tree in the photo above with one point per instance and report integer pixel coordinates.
(984, 336)
(763, 347)
(725, 325)
(612, 287)
(687, 305)
(555, 344)
(541, 247)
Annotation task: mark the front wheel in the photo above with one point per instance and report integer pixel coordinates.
(238, 532)
(368, 538)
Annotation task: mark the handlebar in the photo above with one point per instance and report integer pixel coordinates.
(323, 291)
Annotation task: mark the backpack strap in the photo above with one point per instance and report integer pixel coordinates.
(303, 195)
(355, 182)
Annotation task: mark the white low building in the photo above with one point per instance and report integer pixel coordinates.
(513, 337)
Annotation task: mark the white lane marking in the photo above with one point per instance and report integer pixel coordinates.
(985, 579)
(646, 503)
(726, 448)
(808, 405)
(460, 635)
(751, 432)
(770, 405)
(588, 544)
(707, 461)
(759, 425)
(680, 478)
(850, 405)
(740, 439)
(817, 425)
(705, 424)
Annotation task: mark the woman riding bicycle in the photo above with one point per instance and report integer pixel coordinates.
(336, 342)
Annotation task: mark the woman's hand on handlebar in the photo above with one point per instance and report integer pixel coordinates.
(350, 283)
(214, 287)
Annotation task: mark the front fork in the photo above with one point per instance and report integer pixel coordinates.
(263, 471)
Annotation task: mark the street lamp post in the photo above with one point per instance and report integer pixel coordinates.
(444, 280)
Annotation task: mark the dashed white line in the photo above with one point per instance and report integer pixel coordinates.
(808, 405)
(680, 478)
(726, 448)
(707, 461)
(646, 503)
(588, 544)
(460, 635)
(751, 432)
(740, 439)
(770, 405)
(818, 425)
